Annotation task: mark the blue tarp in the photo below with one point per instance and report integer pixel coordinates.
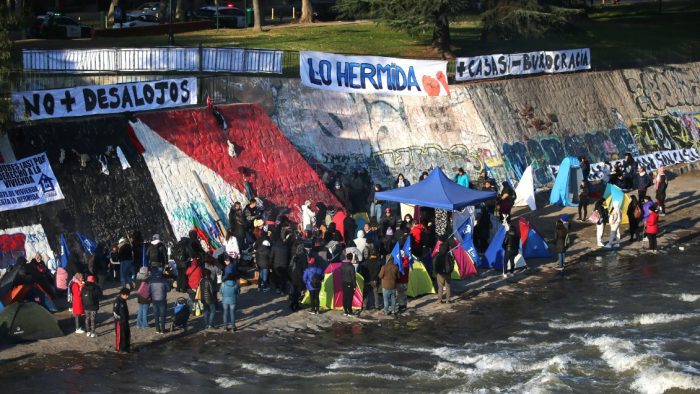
(436, 191)
(562, 184)
(494, 255)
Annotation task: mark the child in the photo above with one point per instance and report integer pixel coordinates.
(121, 320)
(652, 227)
(76, 288)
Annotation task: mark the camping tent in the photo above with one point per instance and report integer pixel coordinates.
(495, 255)
(339, 219)
(419, 281)
(614, 193)
(532, 244)
(465, 266)
(565, 188)
(436, 191)
(525, 191)
(27, 322)
(331, 294)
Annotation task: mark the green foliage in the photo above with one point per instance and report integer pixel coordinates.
(353, 9)
(414, 16)
(527, 19)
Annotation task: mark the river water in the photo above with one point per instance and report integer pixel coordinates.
(616, 325)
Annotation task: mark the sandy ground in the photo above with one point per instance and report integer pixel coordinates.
(269, 313)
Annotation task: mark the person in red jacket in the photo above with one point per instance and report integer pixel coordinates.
(402, 285)
(76, 288)
(652, 227)
(194, 275)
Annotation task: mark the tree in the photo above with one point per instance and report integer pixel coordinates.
(420, 16)
(307, 12)
(257, 20)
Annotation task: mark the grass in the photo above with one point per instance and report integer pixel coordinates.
(619, 36)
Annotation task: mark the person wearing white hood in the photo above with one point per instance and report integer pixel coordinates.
(361, 242)
(614, 220)
(308, 217)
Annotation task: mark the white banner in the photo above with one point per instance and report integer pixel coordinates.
(104, 99)
(373, 74)
(494, 66)
(28, 182)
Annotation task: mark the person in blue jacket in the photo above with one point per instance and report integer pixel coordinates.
(461, 178)
(313, 278)
(229, 295)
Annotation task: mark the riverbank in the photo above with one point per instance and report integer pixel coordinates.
(268, 314)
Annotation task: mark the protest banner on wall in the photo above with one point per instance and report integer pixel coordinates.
(104, 99)
(28, 182)
(501, 65)
(373, 74)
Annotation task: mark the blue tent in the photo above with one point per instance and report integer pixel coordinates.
(437, 191)
(532, 244)
(495, 255)
(565, 188)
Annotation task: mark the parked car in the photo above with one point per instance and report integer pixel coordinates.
(55, 25)
(141, 20)
(151, 8)
(227, 16)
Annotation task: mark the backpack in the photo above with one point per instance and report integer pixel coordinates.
(144, 291)
(156, 255)
(637, 212)
(317, 280)
(180, 252)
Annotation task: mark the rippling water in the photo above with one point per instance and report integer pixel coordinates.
(622, 325)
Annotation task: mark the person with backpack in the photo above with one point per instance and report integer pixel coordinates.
(296, 274)
(90, 295)
(157, 254)
(125, 255)
(77, 308)
(229, 295)
(120, 311)
(444, 265)
(369, 269)
(182, 254)
(158, 289)
(634, 215)
(560, 241)
(208, 295)
(347, 272)
(143, 297)
(389, 274)
(602, 220)
(313, 278)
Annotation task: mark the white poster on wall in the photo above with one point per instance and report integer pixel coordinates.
(373, 74)
(104, 99)
(28, 182)
(501, 65)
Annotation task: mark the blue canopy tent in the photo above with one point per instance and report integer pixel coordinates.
(437, 191)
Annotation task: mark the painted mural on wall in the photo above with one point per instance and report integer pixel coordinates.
(23, 241)
(658, 89)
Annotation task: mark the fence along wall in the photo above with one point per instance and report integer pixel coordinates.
(165, 59)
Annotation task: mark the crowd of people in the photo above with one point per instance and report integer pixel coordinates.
(292, 258)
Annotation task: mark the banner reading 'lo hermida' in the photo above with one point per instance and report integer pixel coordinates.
(373, 74)
(28, 182)
(104, 99)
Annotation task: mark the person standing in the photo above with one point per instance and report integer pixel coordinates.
(629, 168)
(347, 272)
(313, 278)
(615, 220)
(402, 284)
(369, 269)
(76, 287)
(157, 254)
(142, 297)
(585, 168)
(511, 244)
(159, 298)
(194, 276)
(263, 250)
(389, 274)
(308, 217)
(443, 268)
(90, 295)
(560, 240)
(461, 178)
(375, 207)
(652, 228)
(229, 296)
(634, 215)
(506, 200)
(206, 288)
(642, 182)
(126, 260)
(660, 185)
(583, 201)
(602, 214)
(401, 182)
(121, 320)
(296, 276)
(279, 255)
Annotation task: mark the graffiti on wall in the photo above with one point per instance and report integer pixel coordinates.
(23, 241)
(656, 90)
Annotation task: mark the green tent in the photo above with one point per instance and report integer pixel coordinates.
(419, 281)
(27, 322)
